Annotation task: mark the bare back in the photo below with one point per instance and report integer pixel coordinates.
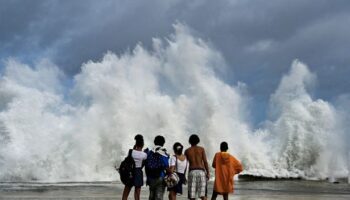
(197, 158)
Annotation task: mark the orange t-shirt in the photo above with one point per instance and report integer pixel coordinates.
(226, 166)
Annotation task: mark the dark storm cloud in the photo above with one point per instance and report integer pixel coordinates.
(259, 39)
(72, 32)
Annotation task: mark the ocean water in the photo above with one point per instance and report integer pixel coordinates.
(244, 190)
(58, 130)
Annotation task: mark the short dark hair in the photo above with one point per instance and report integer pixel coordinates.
(159, 140)
(178, 147)
(139, 140)
(194, 139)
(223, 146)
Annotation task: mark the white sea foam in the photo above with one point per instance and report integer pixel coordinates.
(303, 131)
(49, 132)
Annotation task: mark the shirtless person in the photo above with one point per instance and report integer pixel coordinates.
(198, 169)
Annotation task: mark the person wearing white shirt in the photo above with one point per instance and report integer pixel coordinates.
(178, 163)
(139, 157)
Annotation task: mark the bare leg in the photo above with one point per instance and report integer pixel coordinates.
(172, 195)
(126, 192)
(137, 193)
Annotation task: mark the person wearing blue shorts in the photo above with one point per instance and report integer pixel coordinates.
(139, 157)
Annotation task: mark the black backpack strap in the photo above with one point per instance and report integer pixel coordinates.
(175, 163)
(130, 153)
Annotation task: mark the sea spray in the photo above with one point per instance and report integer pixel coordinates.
(78, 135)
(348, 167)
(52, 133)
(340, 141)
(300, 127)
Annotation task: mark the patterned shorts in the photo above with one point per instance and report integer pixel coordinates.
(197, 184)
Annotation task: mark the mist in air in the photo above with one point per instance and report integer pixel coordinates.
(54, 131)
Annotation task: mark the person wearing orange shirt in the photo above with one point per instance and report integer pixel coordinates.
(226, 166)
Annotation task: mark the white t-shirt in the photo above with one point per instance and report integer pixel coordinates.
(138, 157)
(181, 165)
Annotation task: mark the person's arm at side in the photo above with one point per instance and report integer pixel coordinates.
(166, 163)
(186, 169)
(144, 160)
(237, 165)
(188, 161)
(205, 162)
(172, 164)
(214, 162)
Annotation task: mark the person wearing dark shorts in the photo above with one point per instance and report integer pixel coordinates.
(178, 163)
(139, 157)
(156, 181)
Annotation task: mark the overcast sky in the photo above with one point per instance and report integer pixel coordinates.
(259, 39)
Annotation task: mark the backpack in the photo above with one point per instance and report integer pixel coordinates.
(154, 164)
(126, 170)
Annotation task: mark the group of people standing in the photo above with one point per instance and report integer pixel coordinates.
(193, 160)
